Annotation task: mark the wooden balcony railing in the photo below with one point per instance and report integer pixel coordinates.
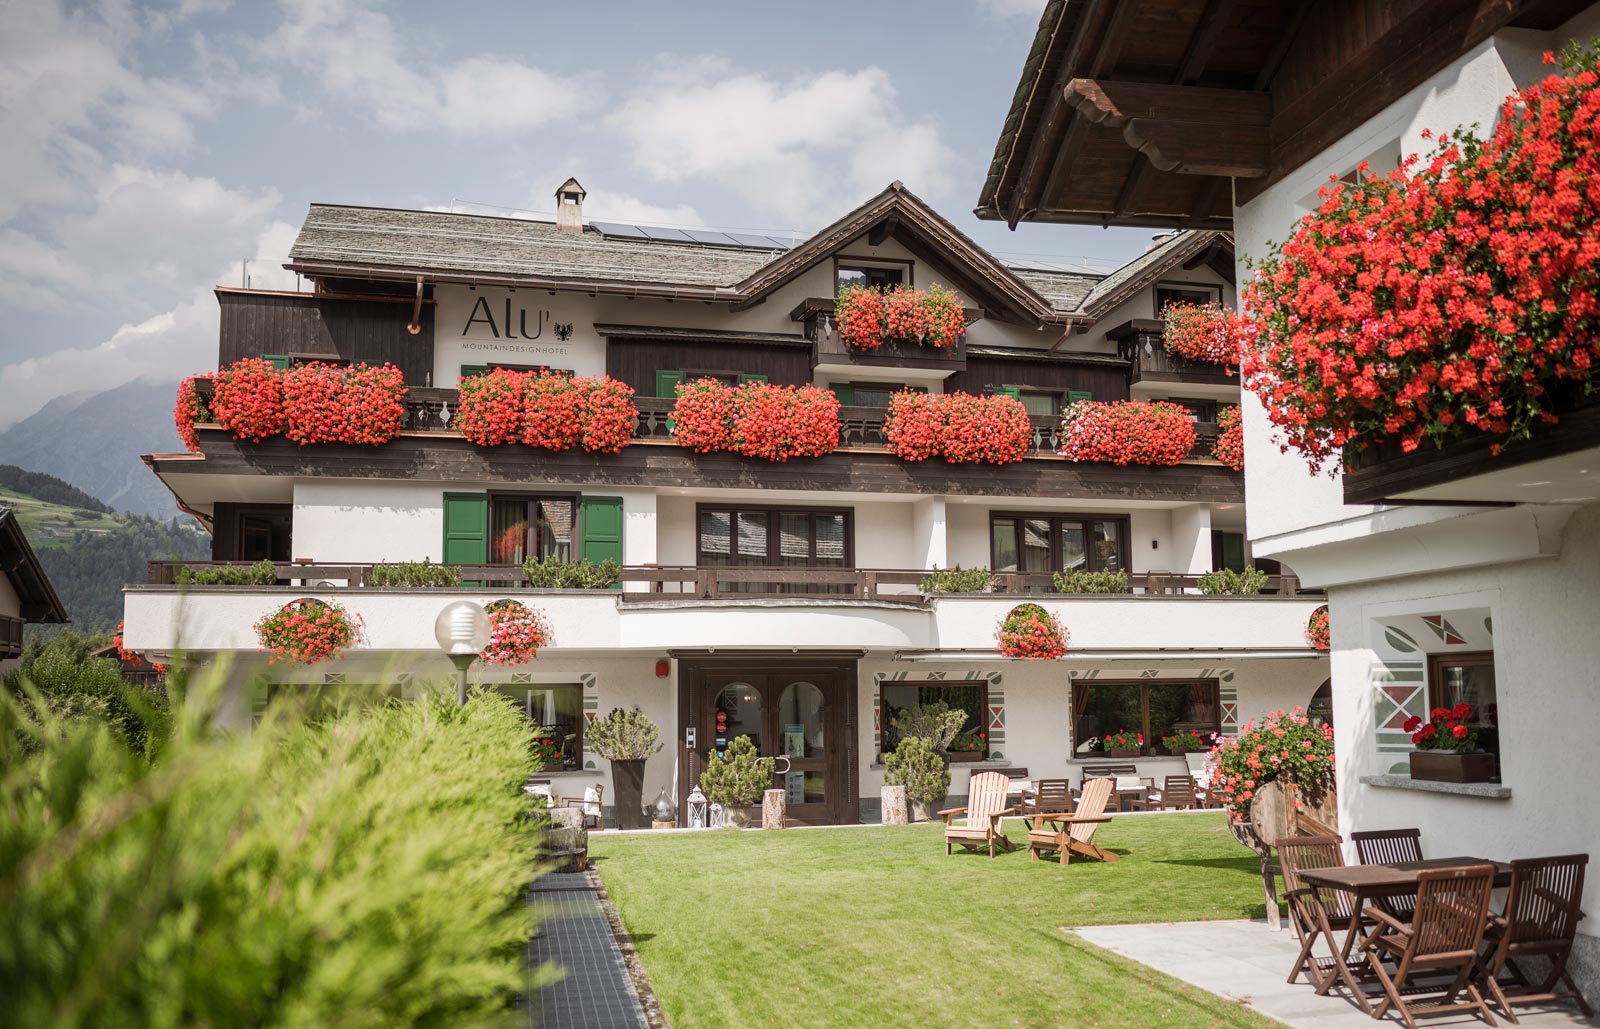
(1140, 342)
(714, 582)
(432, 409)
(10, 636)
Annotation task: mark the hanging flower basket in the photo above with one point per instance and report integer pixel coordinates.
(1031, 633)
(1203, 333)
(516, 632)
(307, 631)
(1229, 447)
(188, 410)
(1317, 628)
(756, 419)
(1452, 297)
(958, 427)
(248, 399)
(1127, 432)
(1282, 747)
(327, 403)
(869, 317)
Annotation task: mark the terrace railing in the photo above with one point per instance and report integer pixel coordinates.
(718, 582)
(10, 636)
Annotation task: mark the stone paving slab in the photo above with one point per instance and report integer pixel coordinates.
(595, 992)
(1247, 962)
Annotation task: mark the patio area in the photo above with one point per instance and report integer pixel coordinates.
(1244, 961)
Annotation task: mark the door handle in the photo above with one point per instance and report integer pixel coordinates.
(784, 768)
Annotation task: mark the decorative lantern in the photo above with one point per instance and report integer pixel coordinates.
(697, 808)
(663, 810)
(716, 820)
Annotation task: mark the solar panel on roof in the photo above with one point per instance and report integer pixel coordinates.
(764, 242)
(667, 235)
(619, 230)
(720, 239)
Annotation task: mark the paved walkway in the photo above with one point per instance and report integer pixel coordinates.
(1247, 962)
(595, 992)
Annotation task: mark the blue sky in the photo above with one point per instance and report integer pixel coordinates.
(152, 147)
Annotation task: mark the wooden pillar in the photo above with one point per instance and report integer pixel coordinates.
(894, 806)
(774, 803)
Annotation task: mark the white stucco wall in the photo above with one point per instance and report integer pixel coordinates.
(367, 520)
(10, 603)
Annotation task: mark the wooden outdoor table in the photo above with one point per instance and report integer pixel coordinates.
(1368, 882)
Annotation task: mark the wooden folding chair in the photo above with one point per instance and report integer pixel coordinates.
(1317, 914)
(1048, 795)
(1177, 793)
(1541, 918)
(1443, 937)
(1073, 833)
(986, 806)
(1391, 847)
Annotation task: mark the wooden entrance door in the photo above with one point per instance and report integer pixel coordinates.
(802, 711)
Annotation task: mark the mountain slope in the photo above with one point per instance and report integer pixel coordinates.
(93, 441)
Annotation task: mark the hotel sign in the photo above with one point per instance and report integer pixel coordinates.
(482, 325)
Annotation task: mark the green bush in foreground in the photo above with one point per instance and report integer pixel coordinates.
(262, 573)
(365, 869)
(1091, 582)
(554, 573)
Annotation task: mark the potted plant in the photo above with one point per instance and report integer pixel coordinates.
(1447, 747)
(736, 779)
(1126, 743)
(1179, 744)
(626, 739)
(919, 768)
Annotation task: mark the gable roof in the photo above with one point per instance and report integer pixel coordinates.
(21, 565)
(1178, 249)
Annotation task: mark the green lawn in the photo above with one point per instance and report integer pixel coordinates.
(876, 927)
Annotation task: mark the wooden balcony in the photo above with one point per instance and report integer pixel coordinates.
(827, 348)
(1139, 342)
(704, 582)
(10, 636)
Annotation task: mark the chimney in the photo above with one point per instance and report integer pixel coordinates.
(569, 206)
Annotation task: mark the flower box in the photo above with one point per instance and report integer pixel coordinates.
(1122, 752)
(1452, 766)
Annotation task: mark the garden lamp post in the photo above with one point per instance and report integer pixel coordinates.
(462, 630)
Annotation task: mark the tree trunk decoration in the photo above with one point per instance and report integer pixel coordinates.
(774, 804)
(894, 806)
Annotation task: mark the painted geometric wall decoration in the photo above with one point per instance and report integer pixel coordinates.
(1398, 693)
(1443, 629)
(1230, 709)
(1399, 639)
(1488, 625)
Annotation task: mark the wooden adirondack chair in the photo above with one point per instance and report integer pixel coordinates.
(986, 806)
(1073, 832)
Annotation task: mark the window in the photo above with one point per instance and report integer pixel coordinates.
(870, 394)
(484, 369)
(971, 744)
(1057, 543)
(668, 379)
(1227, 551)
(1199, 410)
(1468, 679)
(1185, 293)
(771, 537)
(296, 360)
(1043, 402)
(1156, 708)
(868, 272)
(557, 716)
(522, 526)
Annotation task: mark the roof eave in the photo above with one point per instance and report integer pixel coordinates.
(28, 576)
(611, 287)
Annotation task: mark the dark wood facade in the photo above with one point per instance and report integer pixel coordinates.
(636, 361)
(256, 323)
(1107, 379)
(450, 458)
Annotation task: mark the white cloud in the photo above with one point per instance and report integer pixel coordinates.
(355, 53)
(177, 342)
(801, 151)
(1005, 9)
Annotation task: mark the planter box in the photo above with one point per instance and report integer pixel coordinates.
(1451, 766)
(1122, 752)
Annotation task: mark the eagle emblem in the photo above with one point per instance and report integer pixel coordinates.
(563, 331)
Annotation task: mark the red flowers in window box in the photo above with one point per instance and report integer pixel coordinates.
(756, 419)
(1229, 447)
(1127, 432)
(248, 400)
(1317, 628)
(326, 403)
(958, 427)
(1205, 333)
(1031, 633)
(1448, 298)
(547, 410)
(188, 410)
(869, 317)
(1446, 729)
(308, 630)
(516, 632)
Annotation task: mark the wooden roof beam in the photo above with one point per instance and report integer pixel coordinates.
(1191, 130)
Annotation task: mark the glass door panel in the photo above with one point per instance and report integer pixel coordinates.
(737, 712)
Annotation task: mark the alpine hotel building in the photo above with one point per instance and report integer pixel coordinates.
(775, 599)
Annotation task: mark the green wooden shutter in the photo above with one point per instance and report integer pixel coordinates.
(667, 380)
(600, 529)
(1233, 551)
(1075, 395)
(1011, 391)
(466, 528)
(279, 361)
(743, 378)
(845, 392)
(469, 370)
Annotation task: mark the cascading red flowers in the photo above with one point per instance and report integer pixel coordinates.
(1229, 447)
(248, 399)
(132, 658)
(958, 427)
(1317, 628)
(869, 317)
(1031, 633)
(1127, 432)
(326, 403)
(1286, 746)
(188, 410)
(1207, 333)
(1451, 297)
(547, 410)
(756, 419)
(516, 632)
(308, 631)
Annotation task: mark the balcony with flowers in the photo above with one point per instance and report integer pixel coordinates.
(1195, 345)
(1435, 330)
